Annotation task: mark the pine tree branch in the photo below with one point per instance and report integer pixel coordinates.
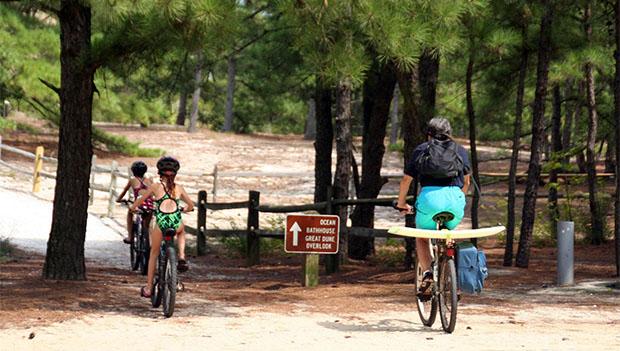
(50, 85)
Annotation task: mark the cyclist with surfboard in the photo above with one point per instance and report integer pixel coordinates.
(442, 167)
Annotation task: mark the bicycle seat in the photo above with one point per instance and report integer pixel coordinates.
(443, 217)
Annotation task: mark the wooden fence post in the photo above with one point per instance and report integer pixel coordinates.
(214, 190)
(38, 164)
(310, 270)
(253, 242)
(112, 188)
(201, 241)
(91, 193)
(331, 261)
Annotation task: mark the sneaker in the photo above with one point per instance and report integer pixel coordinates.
(425, 284)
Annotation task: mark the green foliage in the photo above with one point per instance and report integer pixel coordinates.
(6, 249)
(236, 246)
(389, 255)
(399, 146)
(120, 144)
(7, 125)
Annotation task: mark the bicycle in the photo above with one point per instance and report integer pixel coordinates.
(164, 288)
(443, 293)
(139, 248)
(443, 289)
(166, 282)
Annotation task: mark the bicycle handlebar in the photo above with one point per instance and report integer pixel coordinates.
(401, 209)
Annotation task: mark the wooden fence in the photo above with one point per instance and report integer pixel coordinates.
(253, 232)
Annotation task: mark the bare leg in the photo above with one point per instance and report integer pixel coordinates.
(423, 253)
(129, 225)
(156, 238)
(181, 241)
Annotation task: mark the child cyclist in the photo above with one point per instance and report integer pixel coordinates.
(138, 183)
(166, 196)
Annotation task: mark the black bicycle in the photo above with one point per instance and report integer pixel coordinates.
(167, 281)
(443, 289)
(442, 294)
(139, 248)
(164, 288)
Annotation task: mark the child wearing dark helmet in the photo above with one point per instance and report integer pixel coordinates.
(166, 196)
(138, 183)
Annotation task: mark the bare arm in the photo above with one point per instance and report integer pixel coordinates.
(149, 192)
(466, 183)
(122, 194)
(187, 200)
(405, 183)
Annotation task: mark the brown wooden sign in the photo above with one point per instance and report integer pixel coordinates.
(312, 234)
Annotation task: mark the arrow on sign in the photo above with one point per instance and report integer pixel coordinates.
(295, 228)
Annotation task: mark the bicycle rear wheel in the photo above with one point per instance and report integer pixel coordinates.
(427, 307)
(448, 298)
(157, 288)
(145, 252)
(134, 254)
(169, 287)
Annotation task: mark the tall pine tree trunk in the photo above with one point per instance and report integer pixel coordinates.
(65, 247)
(193, 120)
(471, 115)
(310, 127)
(378, 90)
(394, 125)
(514, 160)
(412, 136)
(617, 134)
(419, 91)
(428, 73)
(343, 157)
(531, 191)
(567, 129)
(182, 108)
(610, 155)
(323, 142)
(230, 93)
(596, 235)
(556, 147)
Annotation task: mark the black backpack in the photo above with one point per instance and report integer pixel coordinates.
(440, 160)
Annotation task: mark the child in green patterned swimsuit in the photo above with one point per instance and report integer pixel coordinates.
(167, 215)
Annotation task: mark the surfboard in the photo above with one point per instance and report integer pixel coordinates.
(446, 234)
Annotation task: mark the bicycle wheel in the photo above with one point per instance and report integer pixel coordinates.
(157, 288)
(133, 247)
(448, 298)
(145, 250)
(427, 308)
(169, 287)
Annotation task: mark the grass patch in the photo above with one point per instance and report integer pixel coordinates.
(7, 125)
(388, 255)
(398, 146)
(237, 246)
(6, 249)
(116, 143)
(26, 128)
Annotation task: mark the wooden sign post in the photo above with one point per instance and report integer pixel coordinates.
(311, 235)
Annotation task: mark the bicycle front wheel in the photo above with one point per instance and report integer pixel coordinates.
(427, 305)
(448, 298)
(169, 292)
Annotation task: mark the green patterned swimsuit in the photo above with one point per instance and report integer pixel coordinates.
(167, 220)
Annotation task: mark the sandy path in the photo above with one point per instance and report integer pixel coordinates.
(26, 221)
(237, 329)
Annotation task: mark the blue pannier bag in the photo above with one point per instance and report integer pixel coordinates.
(471, 268)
